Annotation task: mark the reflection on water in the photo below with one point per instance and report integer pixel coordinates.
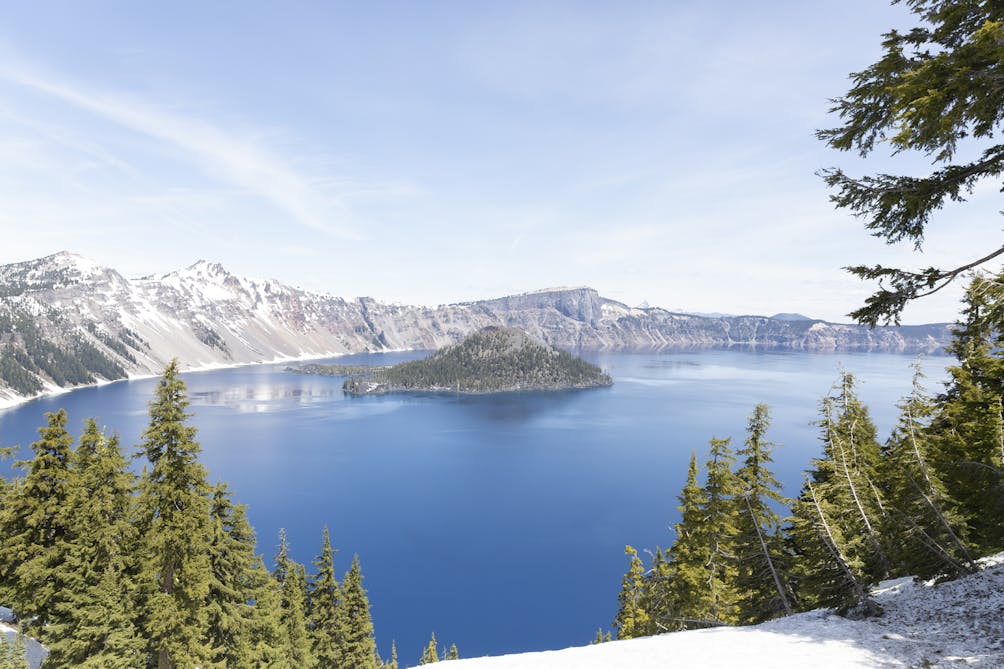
(670, 364)
(263, 397)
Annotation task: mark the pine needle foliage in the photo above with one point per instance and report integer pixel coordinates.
(936, 86)
(175, 573)
(762, 581)
(93, 625)
(689, 601)
(357, 645)
(923, 529)
(324, 598)
(36, 526)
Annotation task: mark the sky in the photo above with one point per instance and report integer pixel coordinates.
(435, 152)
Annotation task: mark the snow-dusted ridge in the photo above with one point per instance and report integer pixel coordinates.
(206, 316)
(955, 624)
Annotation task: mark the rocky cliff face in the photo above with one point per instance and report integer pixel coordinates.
(66, 321)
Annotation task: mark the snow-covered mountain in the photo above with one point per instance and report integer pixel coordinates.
(66, 321)
(954, 624)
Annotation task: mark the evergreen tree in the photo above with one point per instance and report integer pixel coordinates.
(762, 570)
(35, 525)
(174, 522)
(357, 647)
(430, 655)
(836, 521)
(690, 604)
(231, 601)
(266, 634)
(282, 559)
(294, 604)
(968, 426)
(454, 654)
(935, 86)
(720, 514)
(291, 579)
(393, 657)
(923, 530)
(658, 594)
(825, 574)
(323, 599)
(852, 456)
(633, 620)
(93, 619)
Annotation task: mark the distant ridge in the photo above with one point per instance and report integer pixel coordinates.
(791, 317)
(67, 321)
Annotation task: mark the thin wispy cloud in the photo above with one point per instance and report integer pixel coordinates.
(236, 160)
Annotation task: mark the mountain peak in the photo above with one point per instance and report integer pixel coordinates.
(208, 267)
(69, 259)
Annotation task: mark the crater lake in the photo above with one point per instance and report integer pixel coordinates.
(496, 521)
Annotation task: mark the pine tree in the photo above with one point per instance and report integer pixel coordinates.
(826, 575)
(35, 525)
(762, 569)
(847, 475)
(935, 83)
(266, 634)
(174, 523)
(720, 513)
(454, 654)
(657, 594)
(323, 599)
(633, 620)
(294, 604)
(689, 598)
(93, 619)
(430, 655)
(968, 426)
(836, 521)
(357, 647)
(291, 579)
(923, 530)
(230, 604)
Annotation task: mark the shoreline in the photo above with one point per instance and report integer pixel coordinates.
(11, 402)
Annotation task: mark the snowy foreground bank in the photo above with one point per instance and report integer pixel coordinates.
(955, 624)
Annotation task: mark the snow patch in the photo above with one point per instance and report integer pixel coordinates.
(952, 624)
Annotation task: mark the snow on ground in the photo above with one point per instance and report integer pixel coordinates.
(954, 624)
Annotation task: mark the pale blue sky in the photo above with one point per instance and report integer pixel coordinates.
(432, 152)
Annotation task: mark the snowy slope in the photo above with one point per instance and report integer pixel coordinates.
(954, 624)
(206, 316)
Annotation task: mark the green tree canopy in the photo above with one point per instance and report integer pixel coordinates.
(174, 522)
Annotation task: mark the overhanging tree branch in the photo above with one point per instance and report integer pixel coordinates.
(935, 85)
(897, 287)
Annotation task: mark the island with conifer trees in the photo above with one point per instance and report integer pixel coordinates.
(492, 360)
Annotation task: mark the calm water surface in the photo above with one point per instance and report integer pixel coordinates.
(499, 522)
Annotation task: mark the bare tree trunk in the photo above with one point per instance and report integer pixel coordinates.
(857, 502)
(932, 500)
(770, 563)
(831, 544)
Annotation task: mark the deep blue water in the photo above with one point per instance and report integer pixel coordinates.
(499, 521)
